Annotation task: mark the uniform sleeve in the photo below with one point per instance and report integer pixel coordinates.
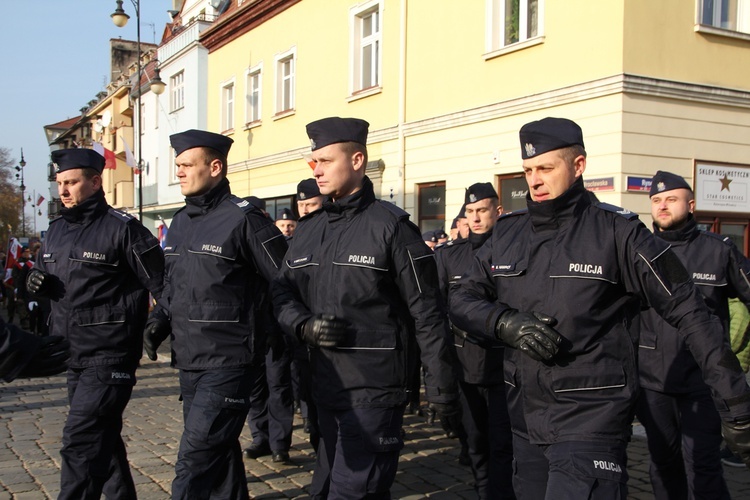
(146, 258)
(654, 273)
(289, 308)
(416, 276)
(738, 274)
(443, 278)
(267, 247)
(474, 305)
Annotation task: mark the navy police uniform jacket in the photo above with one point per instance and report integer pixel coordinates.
(221, 254)
(588, 265)
(102, 263)
(477, 364)
(360, 259)
(719, 271)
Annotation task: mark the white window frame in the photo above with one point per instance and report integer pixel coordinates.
(281, 108)
(226, 100)
(357, 43)
(177, 91)
(142, 117)
(495, 27)
(253, 113)
(742, 18)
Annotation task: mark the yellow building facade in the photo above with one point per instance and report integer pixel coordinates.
(447, 85)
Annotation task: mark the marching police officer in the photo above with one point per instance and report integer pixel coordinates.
(221, 253)
(309, 198)
(675, 406)
(286, 222)
(356, 282)
(480, 368)
(98, 266)
(560, 284)
(25, 355)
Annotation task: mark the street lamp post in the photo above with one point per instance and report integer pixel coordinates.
(120, 18)
(19, 168)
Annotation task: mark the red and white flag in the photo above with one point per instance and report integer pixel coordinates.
(129, 158)
(14, 253)
(39, 200)
(109, 156)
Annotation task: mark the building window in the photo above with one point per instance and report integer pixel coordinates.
(512, 190)
(177, 91)
(285, 67)
(732, 15)
(513, 21)
(431, 204)
(252, 109)
(275, 205)
(227, 107)
(366, 29)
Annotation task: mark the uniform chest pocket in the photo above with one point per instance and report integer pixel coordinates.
(298, 262)
(591, 378)
(508, 267)
(362, 258)
(224, 251)
(584, 269)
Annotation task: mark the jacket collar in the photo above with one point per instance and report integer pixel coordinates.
(87, 210)
(477, 240)
(684, 234)
(349, 205)
(555, 213)
(197, 205)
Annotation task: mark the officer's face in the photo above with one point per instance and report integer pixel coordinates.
(73, 187)
(463, 227)
(304, 207)
(481, 215)
(549, 175)
(196, 175)
(670, 209)
(337, 173)
(286, 227)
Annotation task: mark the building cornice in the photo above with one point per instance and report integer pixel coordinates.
(616, 84)
(237, 23)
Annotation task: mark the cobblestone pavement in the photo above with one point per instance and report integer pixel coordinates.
(32, 414)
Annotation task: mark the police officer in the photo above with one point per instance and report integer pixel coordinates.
(25, 355)
(356, 282)
(560, 285)
(430, 239)
(675, 406)
(480, 368)
(221, 253)
(309, 198)
(98, 266)
(286, 222)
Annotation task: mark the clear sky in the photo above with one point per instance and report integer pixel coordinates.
(55, 59)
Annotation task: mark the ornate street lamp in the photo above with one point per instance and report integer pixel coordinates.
(19, 168)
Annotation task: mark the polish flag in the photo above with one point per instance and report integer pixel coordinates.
(39, 200)
(109, 156)
(129, 158)
(14, 253)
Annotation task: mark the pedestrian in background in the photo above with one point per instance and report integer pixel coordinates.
(356, 282)
(221, 253)
(98, 266)
(561, 284)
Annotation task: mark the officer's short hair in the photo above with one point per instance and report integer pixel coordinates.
(212, 154)
(570, 153)
(354, 147)
(89, 173)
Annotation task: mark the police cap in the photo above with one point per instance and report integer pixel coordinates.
(667, 181)
(68, 159)
(307, 189)
(334, 129)
(285, 214)
(462, 212)
(192, 138)
(548, 134)
(477, 192)
(430, 236)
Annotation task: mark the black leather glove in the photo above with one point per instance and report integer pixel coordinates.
(449, 415)
(156, 331)
(529, 332)
(324, 331)
(51, 357)
(737, 436)
(36, 281)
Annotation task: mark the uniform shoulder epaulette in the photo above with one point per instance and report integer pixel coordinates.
(617, 210)
(724, 239)
(242, 203)
(119, 214)
(520, 211)
(55, 218)
(395, 210)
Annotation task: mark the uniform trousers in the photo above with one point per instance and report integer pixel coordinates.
(684, 438)
(93, 454)
(570, 470)
(209, 462)
(358, 453)
(271, 412)
(487, 424)
(302, 372)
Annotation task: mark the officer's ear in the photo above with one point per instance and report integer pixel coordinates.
(579, 165)
(216, 167)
